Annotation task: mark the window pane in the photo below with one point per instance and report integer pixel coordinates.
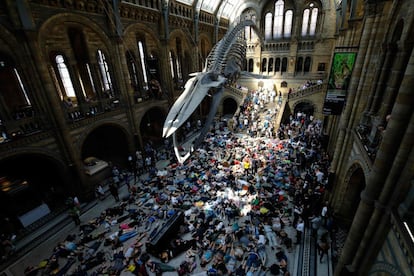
(210, 6)
(277, 65)
(270, 67)
(90, 77)
(305, 22)
(226, 9)
(264, 64)
(268, 26)
(299, 64)
(307, 64)
(278, 24)
(22, 87)
(247, 33)
(288, 23)
(284, 64)
(251, 65)
(103, 66)
(143, 64)
(64, 76)
(314, 19)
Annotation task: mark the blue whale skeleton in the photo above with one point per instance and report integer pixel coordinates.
(223, 66)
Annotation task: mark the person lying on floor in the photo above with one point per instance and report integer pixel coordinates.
(97, 234)
(134, 250)
(159, 268)
(118, 263)
(252, 261)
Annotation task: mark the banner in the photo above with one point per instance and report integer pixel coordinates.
(338, 82)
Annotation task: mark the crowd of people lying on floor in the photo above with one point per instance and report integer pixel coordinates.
(238, 195)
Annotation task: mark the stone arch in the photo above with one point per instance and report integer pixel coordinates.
(229, 106)
(9, 45)
(151, 125)
(52, 28)
(187, 45)
(305, 106)
(379, 268)
(204, 45)
(354, 183)
(139, 28)
(37, 178)
(183, 49)
(106, 140)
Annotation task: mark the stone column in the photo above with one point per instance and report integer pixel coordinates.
(391, 48)
(396, 189)
(53, 106)
(386, 168)
(166, 74)
(126, 91)
(344, 133)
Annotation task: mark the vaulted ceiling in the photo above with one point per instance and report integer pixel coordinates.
(230, 9)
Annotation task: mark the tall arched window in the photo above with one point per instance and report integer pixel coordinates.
(64, 77)
(178, 58)
(314, 18)
(288, 23)
(268, 26)
(270, 67)
(247, 33)
(133, 72)
(143, 63)
(104, 69)
(277, 65)
(278, 20)
(264, 65)
(299, 64)
(309, 20)
(305, 22)
(307, 64)
(284, 64)
(251, 64)
(172, 63)
(12, 89)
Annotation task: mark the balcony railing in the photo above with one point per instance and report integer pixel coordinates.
(307, 91)
(370, 145)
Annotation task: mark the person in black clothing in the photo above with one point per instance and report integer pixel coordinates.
(114, 191)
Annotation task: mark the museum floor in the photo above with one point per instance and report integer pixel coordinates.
(39, 244)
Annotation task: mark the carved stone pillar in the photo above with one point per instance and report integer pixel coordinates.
(344, 134)
(385, 171)
(166, 74)
(126, 90)
(53, 106)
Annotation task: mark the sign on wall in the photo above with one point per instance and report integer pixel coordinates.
(338, 82)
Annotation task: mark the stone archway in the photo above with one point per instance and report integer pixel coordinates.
(305, 107)
(355, 184)
(151, 126)
(107, 142)
(32, 184)
(229, 107)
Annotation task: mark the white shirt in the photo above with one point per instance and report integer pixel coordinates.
(324, 211)
(262, 239)
(300, 227)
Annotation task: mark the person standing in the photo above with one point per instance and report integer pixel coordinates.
(114, 191)
(324, 214)
(300, 228)
(74, 213)
(323, 246)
